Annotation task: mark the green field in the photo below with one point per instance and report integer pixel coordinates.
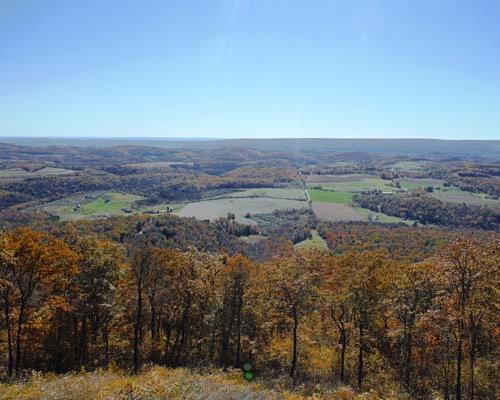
(92, 205)
(278, 193)
(330, 197)
(315, 241)
(420, 183)
(349, 183)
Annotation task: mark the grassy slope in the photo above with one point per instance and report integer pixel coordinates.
(374, 183)
(213, 209)
(110, 203)
(315, 241)
(330, 197)
(280, 193)
(383, 218)
(417, 183)
(158, 383)
(455, 195)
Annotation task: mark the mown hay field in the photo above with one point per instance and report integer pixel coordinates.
(330, 197)
(240, 207)
(335, 212)
(348, 183)
(279, 193)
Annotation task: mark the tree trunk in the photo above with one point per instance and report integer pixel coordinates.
(294, 352)
(137, 328)
(409, 345)
(360, 355)
(227, 329)
(472, 354)
(458, 386)
(343, 343)
(83, 343)
(20, 322)
(238, 332)
(10, 361)
(153, 332)
(167, 344)
(105, 334)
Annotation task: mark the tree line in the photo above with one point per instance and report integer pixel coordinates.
(359, 318)
(428, 210)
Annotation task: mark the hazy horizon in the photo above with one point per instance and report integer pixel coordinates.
(193, 138)
(232, 69)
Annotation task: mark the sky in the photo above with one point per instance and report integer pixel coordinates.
(250, 68)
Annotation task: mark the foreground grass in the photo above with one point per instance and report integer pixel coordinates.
(158, 383)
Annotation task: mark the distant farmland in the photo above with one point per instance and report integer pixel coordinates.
(12, 173)
(348, 183)
(278, 193)
(330, 197)
(240, 207)
(315, 242)
(335, 212)
(459, 196)
(92, 205)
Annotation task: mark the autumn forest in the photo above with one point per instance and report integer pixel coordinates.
(288, 279)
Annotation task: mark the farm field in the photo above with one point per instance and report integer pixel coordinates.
(91, 205)
(160, 164)
(420, 183)
(408, 165)
(330, 197)
(335, 212)
(213, 209)
(348, 183)
(368, 215)
(321, 200)
(316, 242)
(337, 178)
(252, 239)
(459, 196)
(22, 173)
(278, 193)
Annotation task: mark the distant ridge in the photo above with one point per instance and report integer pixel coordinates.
(487, 149)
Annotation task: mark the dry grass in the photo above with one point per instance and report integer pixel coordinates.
(157, 384)
(335, 212)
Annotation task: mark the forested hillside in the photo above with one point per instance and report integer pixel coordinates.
(363, 319)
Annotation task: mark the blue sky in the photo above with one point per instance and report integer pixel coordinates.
(250, 68)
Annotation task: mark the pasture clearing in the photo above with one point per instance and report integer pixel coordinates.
(242, 208)
(316, 242)
(349, 183)
(337, 178)
(253, 239)
(455, 195)
(373, 216)
(160, 164)
(93, 205)
(330, 197)
(12, 173)
(335, 212)
(408, 165)
(420, 183)
(278, 193)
